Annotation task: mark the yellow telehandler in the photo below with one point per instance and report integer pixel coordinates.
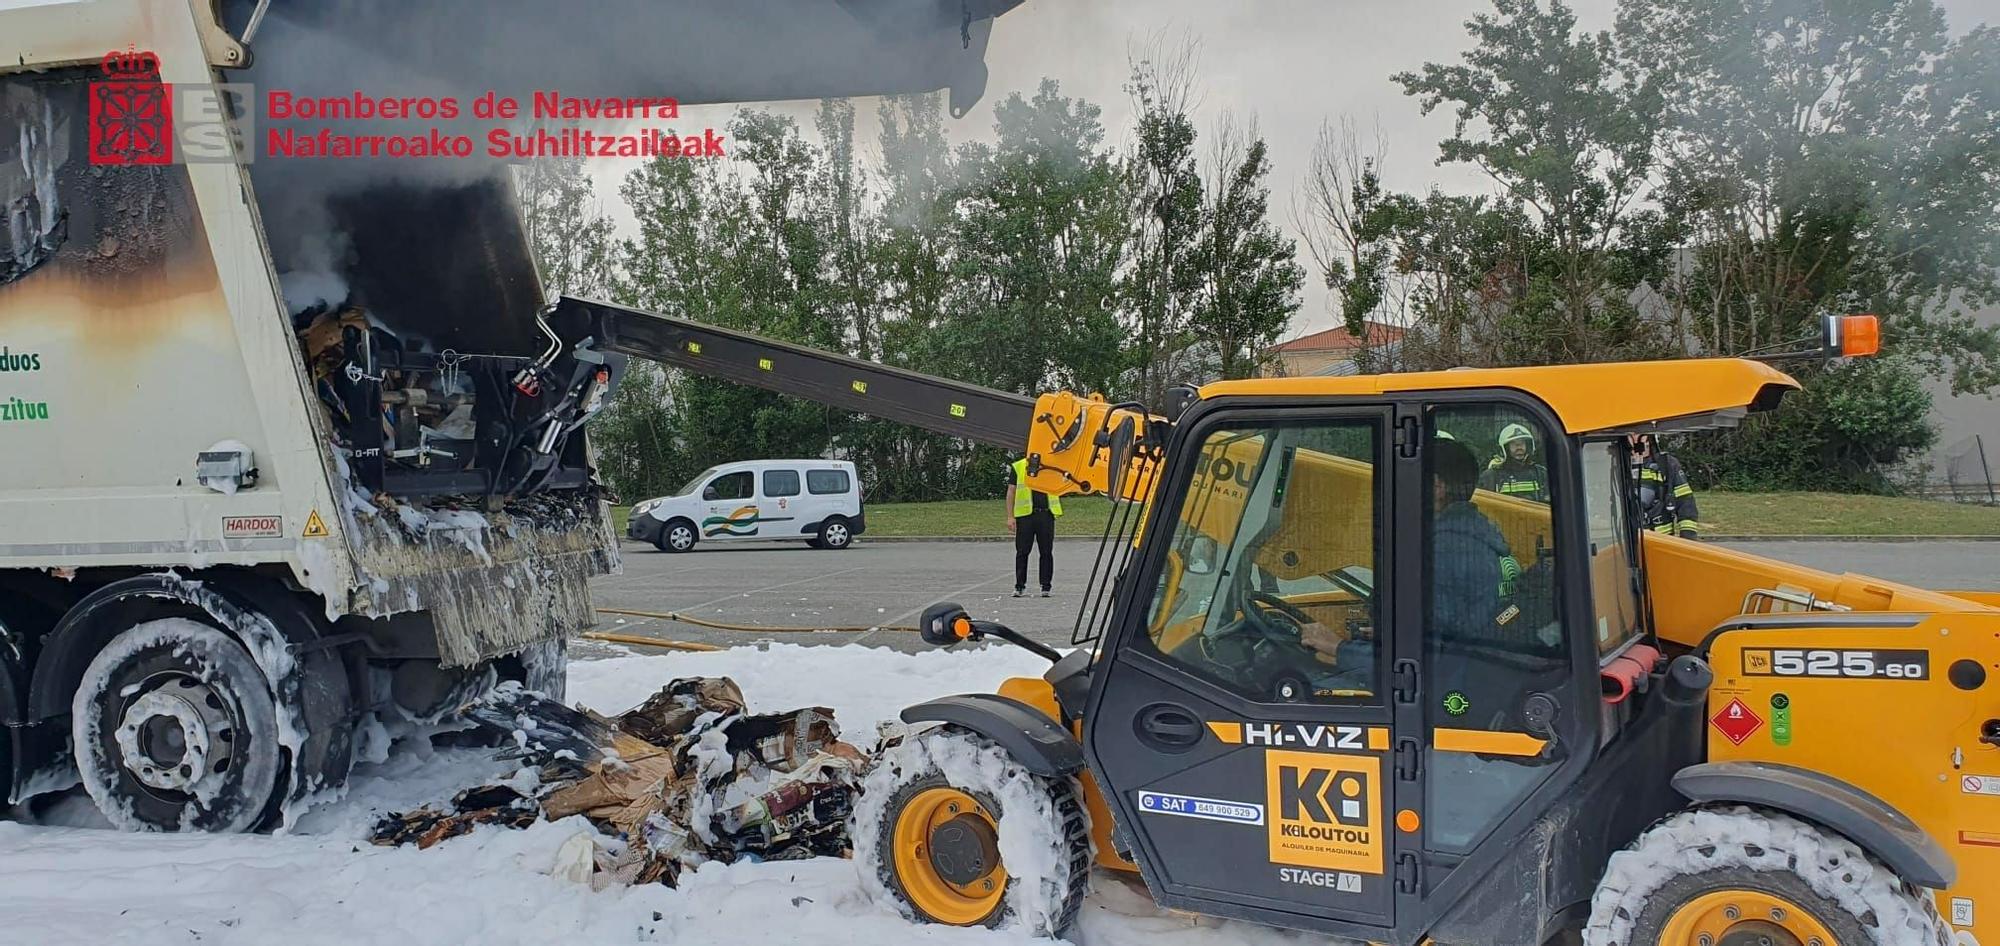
(1322, 680)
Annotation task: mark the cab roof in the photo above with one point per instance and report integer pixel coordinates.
(1609, 397)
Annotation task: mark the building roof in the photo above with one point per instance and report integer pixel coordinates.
(1340, 339)
(1636, 395)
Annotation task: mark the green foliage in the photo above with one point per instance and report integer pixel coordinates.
(1706, 179)
(1842, 431)
(1567, 131)
(1252, 278)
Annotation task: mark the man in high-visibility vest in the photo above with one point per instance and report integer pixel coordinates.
(1666, 501)
(1031, 516)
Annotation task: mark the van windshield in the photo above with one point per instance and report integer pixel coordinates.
(694, 484)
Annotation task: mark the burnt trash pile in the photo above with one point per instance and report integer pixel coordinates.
(684, 778)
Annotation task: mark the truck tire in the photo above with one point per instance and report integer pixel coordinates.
(175, 729)
(938, 815)
(677, 535)
(835, 534)
(1728, 875)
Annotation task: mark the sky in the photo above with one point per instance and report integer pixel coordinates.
(1292, 64)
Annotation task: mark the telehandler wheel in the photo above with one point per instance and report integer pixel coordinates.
(175, 729)
(1747, 877)
(678, 535)
(952, 830)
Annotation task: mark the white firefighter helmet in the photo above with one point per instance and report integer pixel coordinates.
(1513, 432)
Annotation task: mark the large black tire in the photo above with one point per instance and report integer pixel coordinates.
(175, 729)
(1756, 874)
(677, 535)
(835, 534)
(1033, 814)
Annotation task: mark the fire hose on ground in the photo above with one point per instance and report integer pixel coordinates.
(678, 618)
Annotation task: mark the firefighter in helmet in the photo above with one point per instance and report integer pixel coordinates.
(1517, 471)
(1666, 501)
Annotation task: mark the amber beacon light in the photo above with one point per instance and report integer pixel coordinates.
(1852, 336)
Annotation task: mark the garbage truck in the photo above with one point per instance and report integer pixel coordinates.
(292, 448)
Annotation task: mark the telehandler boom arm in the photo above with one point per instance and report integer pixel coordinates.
(1073, 444)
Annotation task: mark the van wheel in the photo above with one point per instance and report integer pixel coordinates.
(833, 534)
(175, 729)
(677, 535)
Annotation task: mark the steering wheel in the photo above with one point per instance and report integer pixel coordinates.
(1262, 607)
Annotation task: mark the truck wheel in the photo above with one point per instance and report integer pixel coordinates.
(952, 830)
(175, 729)
(677, 535)
(834, 534)
(1740, 875)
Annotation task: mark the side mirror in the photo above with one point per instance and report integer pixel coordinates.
(1200, 555)
(944, 624)
(709, 493)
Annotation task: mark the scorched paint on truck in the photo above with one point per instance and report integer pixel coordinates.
(298, 442)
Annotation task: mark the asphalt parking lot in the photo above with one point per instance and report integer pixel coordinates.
(886, 584)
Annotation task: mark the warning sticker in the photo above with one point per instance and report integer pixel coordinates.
(315, 526)
(1979, 784)
(1737, 722)
(252, 527)
(1961, 911)
(1325, 810)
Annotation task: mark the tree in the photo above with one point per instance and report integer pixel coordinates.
(1039, 233)
(569, 233)
(1347, 220)
(1250, 271)
(913, 261)
(1166, 217)
(848, 225)
(1567, 129)
(1829, 157)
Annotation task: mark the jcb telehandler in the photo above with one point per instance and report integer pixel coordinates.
(1325, 681)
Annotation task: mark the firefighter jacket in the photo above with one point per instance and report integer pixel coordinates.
(1522, 479)
(1666, 501)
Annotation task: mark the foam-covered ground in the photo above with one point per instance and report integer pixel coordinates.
(70, 880)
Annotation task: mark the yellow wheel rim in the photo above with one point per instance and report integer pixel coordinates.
(1744, 918)
(947, 857)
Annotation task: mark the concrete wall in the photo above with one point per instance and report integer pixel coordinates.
(1960, 418)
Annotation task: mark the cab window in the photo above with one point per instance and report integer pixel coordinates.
(1493, 629)
(1613, 580)
(1268, 589)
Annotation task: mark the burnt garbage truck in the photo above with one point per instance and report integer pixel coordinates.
(288, 445)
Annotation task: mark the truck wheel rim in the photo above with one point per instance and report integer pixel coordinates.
(947, 857)
(836, 535)
(1744, 918)
(176, 734)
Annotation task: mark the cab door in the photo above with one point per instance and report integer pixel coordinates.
(1240, 727)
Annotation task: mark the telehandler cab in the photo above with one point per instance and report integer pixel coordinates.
(1324, 682)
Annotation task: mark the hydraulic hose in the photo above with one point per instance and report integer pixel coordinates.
(679, 618)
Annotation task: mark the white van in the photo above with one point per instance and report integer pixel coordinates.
(817, 500)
